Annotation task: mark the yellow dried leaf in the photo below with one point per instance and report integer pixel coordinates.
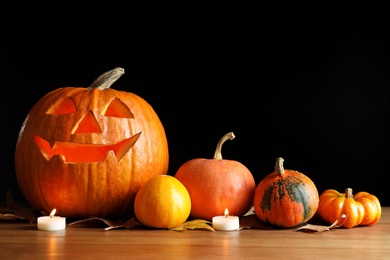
(194, 224)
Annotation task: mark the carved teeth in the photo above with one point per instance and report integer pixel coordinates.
(83, 153)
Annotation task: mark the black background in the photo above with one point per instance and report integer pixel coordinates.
(309, 83)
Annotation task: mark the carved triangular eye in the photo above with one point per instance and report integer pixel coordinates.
(63, 106)
(118, 109)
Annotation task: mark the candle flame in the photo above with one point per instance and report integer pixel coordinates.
(226, 213)
(53, 212)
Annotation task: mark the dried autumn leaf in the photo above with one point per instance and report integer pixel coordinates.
(249, 221)
(14, 211)
(7, 216)
(130, 223)
(194, 224)
(321, 228)
(112, 224)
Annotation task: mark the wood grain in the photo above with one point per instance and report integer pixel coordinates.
(22, 240)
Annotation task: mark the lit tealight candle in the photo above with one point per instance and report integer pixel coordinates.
(51, 223)
(226, 223)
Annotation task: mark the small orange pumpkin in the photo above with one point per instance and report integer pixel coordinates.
(362, 208)
(285, 198)
(87, 151)
(216, 184)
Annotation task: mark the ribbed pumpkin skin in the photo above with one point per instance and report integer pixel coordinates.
(286, 200)
(162, 202)
(361, 209)
(89, 187)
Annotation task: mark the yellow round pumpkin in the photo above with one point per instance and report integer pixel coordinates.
(162, 202)
(87, 151)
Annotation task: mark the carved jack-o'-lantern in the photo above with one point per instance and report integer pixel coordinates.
(87, 151)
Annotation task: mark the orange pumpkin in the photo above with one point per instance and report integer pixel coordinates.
(216, 184)
(362, 208)
(285, 198)
(87, 151)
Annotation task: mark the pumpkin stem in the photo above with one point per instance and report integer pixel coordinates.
(348, 193)
(279, 168)
(107, 79)
(218, 153)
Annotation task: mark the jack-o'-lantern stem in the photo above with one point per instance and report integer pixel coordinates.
(218, 153)
(107, 79)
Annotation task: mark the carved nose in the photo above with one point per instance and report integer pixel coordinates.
(88, 124)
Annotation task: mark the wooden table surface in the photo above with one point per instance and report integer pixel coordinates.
(22, 240)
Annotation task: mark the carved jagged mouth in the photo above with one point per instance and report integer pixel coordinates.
(83, 153)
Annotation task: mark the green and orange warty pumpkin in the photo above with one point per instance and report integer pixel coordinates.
(87, 151)
(285, 198)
